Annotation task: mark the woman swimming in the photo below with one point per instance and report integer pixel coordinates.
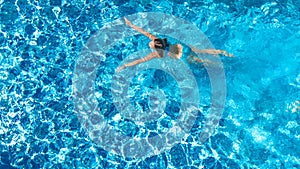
(160, 45)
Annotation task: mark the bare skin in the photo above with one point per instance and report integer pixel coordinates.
(142, 31)
(211, 51)
(138, 61)
(175, 50)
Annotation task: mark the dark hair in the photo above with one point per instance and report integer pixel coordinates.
(160, 43)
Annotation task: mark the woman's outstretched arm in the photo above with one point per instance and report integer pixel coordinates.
(138, 61)
(142, 31)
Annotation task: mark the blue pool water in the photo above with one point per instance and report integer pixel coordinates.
(41, 42)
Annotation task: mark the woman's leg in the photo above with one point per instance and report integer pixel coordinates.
(211, 51)
(194, 59)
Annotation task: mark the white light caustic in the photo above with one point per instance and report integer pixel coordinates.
(84, 95)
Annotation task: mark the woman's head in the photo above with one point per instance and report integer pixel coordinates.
(159, 44)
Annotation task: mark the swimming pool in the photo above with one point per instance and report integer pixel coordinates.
(41, 46)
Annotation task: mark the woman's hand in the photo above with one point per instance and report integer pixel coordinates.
(120, 68)
(127, 21)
